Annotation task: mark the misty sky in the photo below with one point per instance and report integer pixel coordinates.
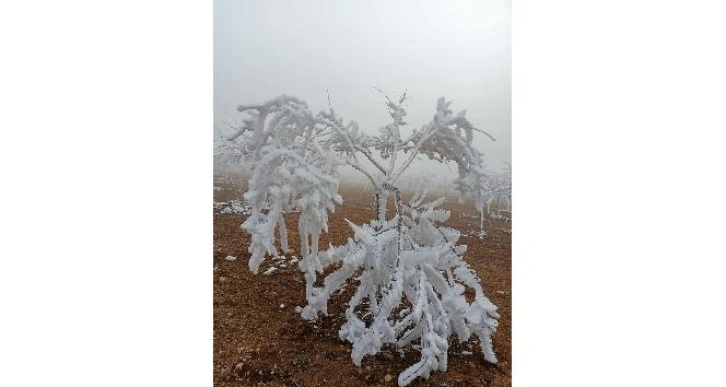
(457, 49)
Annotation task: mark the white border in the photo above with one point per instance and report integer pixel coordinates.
(106, 166)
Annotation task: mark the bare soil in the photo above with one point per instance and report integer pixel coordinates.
(260, 340)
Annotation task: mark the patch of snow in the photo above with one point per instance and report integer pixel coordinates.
(270, 271)
(476, 234)
(233, 207)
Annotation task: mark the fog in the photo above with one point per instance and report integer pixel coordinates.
(457, 49)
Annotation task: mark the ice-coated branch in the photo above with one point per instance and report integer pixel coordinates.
(412, 156)
(368, 155)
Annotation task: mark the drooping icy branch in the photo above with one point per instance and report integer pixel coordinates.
(427, 271)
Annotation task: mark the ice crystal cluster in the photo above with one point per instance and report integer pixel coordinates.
(409, 272)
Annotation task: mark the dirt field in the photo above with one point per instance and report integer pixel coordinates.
(260, 340)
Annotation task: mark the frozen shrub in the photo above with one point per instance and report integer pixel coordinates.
(409, 270)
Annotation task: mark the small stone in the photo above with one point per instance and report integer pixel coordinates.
(298, 309)
(282, 306)
(388, 378)
(230, 258)
(240, 369)
(222, 279)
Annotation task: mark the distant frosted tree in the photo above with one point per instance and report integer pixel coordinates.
(229, 156)
(410, 272)
(494, 198)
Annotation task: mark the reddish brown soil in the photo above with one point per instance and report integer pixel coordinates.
(256, 342)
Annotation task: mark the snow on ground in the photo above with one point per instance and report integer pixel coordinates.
(233, 207)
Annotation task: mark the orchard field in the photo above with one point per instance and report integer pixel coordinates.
(260, 338)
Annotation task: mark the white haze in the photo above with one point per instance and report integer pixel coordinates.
(457, 49)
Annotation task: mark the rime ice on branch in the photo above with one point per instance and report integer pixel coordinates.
(410, 273)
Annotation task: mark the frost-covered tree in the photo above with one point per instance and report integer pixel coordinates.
(495, 198)
(499, 204)
(228, 155)
(410, 272)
